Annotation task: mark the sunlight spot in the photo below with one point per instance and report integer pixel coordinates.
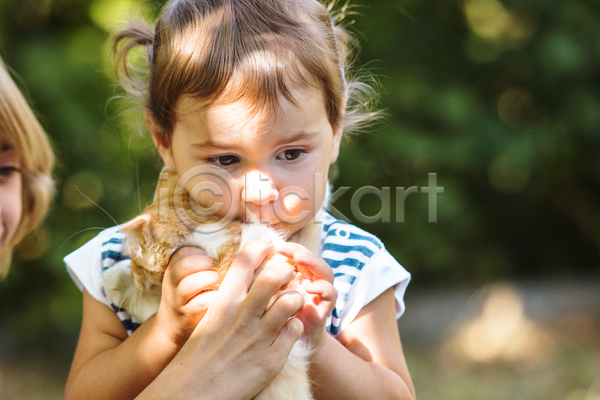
(107, 13)
(490, 20)
(82, 189)
(501, 331)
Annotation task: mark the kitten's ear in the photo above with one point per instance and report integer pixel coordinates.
(139, 227)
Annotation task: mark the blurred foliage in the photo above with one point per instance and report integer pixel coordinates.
(500, 99)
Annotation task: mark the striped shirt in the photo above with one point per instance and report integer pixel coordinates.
(363, 269)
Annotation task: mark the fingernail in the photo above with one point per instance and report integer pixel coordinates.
(266, 239)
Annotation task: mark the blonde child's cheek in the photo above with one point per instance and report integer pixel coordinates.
(10, 210)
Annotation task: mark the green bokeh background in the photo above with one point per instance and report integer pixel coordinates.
(500, 99)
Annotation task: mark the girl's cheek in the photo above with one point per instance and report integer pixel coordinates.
(293, 200)
(11, 208)
(294, 205)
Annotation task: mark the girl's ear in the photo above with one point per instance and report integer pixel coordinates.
(161, 141)
(337, 139)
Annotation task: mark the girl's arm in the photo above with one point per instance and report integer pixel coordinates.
(366, 361)
(106, 366)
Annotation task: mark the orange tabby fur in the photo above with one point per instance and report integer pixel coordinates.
(159, 231)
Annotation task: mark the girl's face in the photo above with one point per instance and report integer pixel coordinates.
(272, 169)
(10, 194)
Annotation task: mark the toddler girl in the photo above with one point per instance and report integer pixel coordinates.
(259, 89)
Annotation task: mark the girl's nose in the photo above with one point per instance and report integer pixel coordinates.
(259, 189)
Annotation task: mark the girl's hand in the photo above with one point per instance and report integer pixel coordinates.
(320, 295)
(187, 291)
(238, 347)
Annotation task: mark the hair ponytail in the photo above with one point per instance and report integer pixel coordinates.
(134, 76)
(135, 35)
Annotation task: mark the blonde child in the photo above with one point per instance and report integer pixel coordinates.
(259, 89)
(26, 161)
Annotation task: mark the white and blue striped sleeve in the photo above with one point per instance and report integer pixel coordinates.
(85, 267)
(363, 269)
(378, 274)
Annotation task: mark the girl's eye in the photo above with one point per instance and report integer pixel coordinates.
(8, 171)
(225, 161)
(291, 154)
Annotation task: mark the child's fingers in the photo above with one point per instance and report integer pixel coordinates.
(194, 284)
(310, 266)
(269, 281)
(187, 261)
(240, 274)
(319, 301)
(323, 289)
(313, 267)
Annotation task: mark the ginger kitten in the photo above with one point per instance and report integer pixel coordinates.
(162, 229)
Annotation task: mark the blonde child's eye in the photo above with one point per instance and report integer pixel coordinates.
(224, 161)
(291, 154)
(8, 171)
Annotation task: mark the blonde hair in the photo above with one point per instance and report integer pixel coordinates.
(255, 50)
(21, 131)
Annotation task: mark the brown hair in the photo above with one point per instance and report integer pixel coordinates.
(21, 131)
(255, 50)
